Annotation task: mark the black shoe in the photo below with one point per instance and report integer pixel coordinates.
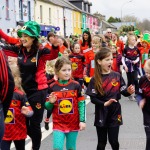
(47, 125)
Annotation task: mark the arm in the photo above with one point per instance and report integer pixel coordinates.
(96, 101)
(6, 83)
(9, 39)
(123, 88)
(82, 110)
(11, 50)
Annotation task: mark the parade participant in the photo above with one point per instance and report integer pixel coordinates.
(6, 90)
(116, 59)
(50, 39)
(15, 122)
(144, 51)
(78, 61)
(118, 43)
(89, 59)
(50, 74)
(68, 107)
(105, 90)
(142, 98)
(63, 45)
(86, 42)
(130, 61)
(31, 61)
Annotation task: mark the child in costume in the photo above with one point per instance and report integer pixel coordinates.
(15, 122)
(116, 59)
(68, 106)
(96, 46)
(50, 79)
(131, 61)
(105, 90)
(143, 98)
(144, 52)
(78, 61)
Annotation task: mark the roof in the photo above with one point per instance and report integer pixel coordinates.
(67, 4)
(109, 25)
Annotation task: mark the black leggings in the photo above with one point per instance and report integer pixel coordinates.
(19, 144)
(112, 133)
(147, 131)
(133, 79)
(36, 101)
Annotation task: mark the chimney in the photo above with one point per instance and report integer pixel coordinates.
(89, 7)
(86, 5)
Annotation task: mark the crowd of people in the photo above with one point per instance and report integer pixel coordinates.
(57, 74)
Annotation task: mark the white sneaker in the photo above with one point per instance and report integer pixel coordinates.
(131, 98)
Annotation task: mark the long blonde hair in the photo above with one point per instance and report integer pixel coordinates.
(16, 74)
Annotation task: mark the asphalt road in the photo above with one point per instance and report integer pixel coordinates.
(131, 136)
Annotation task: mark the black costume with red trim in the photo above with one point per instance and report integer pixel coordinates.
(32, 65)
(144, 88)
(113, 86)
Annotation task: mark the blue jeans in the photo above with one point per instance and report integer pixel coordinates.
(1, 122)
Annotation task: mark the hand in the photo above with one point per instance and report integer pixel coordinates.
(82, 126)
(126, 68)
(131, 89)
(25, 110)
(109, 102)
(52, 98)
(134, 62)
(142, 103)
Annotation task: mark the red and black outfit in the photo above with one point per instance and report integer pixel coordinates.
(78, 61)
(34, 83)
(6, 90)
(65, 111)
(108, 118)
(116, 62)
(130, 55)
(144, 88)
(15, 122)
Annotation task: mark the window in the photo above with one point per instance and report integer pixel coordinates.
(7, 9)
(74, 20)
(41, 14)
(57, 16)
(50, 16)
(20, 10)
(29, 10)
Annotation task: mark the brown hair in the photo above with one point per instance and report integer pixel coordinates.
(60, 62)
(49, 35)
(100, 55)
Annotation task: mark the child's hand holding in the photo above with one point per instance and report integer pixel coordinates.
(131, 89)
(82, 126)
(27, 111)
(52, 98)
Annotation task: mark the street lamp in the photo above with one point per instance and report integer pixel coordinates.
(124, 5)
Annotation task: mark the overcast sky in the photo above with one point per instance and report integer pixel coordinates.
(137, 8)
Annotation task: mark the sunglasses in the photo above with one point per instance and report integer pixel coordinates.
(108, 32)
